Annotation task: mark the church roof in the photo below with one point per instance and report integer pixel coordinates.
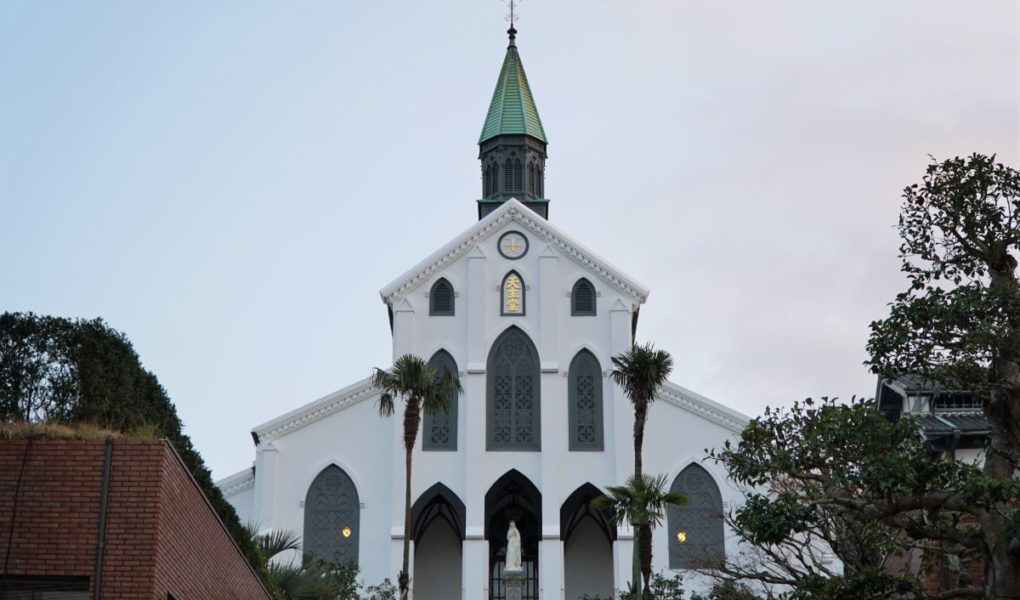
(512, 110)
(512, 210)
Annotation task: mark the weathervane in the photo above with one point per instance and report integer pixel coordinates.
(512, 17)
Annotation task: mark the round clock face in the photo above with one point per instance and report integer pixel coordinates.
(513, 245)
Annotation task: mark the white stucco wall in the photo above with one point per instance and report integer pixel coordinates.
(588, 562)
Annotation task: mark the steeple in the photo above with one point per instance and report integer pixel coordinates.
(512, 147)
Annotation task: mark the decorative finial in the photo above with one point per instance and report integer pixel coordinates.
(512, 32)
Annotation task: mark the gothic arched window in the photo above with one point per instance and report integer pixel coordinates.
(531, 178)
(518, 176)
(508, 176)
(487, 181)
(439, 431)
(696, 529)
(540, 181)
(332, 518)
(582, 299)
(585, 397)
(441, 299)
(512, 293)
(513, 393)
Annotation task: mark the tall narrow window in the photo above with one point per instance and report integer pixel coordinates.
(512, 295)
(441, 299)
(332, 518)
(531, 178)
(540, 183)
(582, 299)
(513, 393)
(508, 176)
(518, 176)
(439, 431)
(696, 529)
(585, 398)
(486, 181)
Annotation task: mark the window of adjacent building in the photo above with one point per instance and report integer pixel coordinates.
(582, 299)
(441, 299)
(332, 518)
(513, 393)
(439, 431)
(512, 295)
(585, 398)
(696, 529)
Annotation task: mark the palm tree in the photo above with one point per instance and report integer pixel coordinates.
(641, 371)
(422, 388)
(642, 503)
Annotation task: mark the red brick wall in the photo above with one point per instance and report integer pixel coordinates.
(56, 524)
(193, 543)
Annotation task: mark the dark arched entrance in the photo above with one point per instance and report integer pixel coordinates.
(588, 537)
(513, 498)
(437, 528)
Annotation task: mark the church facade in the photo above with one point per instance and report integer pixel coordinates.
(529, 318)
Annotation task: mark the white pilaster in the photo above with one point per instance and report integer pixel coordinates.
(550, 572)
(623, 558)
(550, 292)
(622, 423)
(475, 571)
(266, 457)
(476, 298)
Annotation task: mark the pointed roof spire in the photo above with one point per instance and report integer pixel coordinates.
(512, 110)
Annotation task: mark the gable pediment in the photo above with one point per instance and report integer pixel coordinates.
(512, 211)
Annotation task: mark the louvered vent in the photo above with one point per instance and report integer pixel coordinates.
(583, 299)
(441, 299)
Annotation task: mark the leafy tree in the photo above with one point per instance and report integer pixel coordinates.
(422, 388)
(641, 502)
(844, 477)
(641, 371)
(958, 325)
(68, 371)
(825, 477)
(662, 588)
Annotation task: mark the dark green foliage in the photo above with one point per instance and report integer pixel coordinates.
(661, 588)
(728, 590)
(82, 371)
(961, 231)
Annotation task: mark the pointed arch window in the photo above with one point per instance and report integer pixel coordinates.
(439, 430)
(531, 178)
(696, 529)
(332, 518)
(518, 176)
(582, 299)
(487, 180)
(513, 419)
(584, 413)
(540, 180)
(441, 299)
(512, 295)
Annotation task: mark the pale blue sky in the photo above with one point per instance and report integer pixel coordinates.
(231, 183)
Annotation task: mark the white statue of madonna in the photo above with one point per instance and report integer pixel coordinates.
(513, 548)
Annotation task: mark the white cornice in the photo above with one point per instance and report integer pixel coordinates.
(237, 483)
(512, 210)
(703, 407)
(313, 411)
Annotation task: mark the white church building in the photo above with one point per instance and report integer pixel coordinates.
(529, 318)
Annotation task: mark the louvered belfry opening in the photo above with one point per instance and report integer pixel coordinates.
(582, 299)
(441, 299)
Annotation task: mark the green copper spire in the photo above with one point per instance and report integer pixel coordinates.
(513, 147)
(512, 110)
